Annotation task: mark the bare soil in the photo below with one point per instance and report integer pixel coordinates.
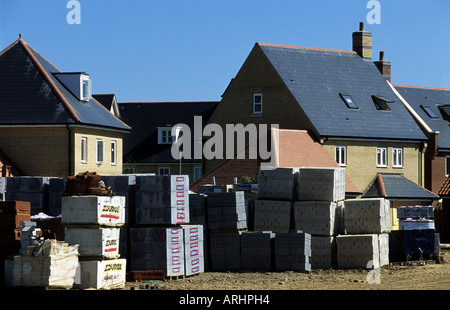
(429, 276)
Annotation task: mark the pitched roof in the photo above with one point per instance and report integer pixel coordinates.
(31, 94)
(397, 187)
(444, 191)
(141, 144)
(419, 98)
(316, 78)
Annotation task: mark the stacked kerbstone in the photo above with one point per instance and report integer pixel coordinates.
(257, 250)
(367, 225)
(292, 251)
(318, 210)
(93, 222)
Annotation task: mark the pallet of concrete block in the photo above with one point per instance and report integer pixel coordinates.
(367, 216)
(358, 251)
(226, 211)
(107, 274)
(157, 248)
(32, 189)
(257, 250)
(98, 243)
(209, 188)
(323, 252)
(272, 215)
(278, 183)
(162, 200)
(51, 264)
(326, 184)
(322, 218)
(194, 257)
(415, 212)
(416, 224)
(224, 251)
(197, 209)
(292, 251)
(93, 210)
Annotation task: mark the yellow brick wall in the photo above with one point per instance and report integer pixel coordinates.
(362, 160)
(31, 147)
(91, 135)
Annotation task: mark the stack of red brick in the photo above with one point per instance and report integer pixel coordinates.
(11, 214)
(87, 183)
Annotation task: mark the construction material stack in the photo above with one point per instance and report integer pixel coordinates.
(93, 223)
(366, 242)
(32, 189)
(194, 254)
(55, 192)
(416, 238)
(257, 250)
(293, 251)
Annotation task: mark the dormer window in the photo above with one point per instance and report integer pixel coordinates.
(165, 135)
(78, 83)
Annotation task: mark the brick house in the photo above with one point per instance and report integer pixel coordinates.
(339, 97)
(49, 123)
(147, 149)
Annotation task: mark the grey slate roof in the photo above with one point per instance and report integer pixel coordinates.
(397, 187)
(31, 94)
(141, 145)
(432, 97)
(316, 77)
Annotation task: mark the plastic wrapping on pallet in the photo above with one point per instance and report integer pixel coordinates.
(226, 211)
(103, 274)
(278, 184)
(367, 216)
(194, 257)
(326, 184)
(323, 252)
(95, 242)
(415, 212)
(323, 218)
(358, 251)
(272, 215)
(292, 251)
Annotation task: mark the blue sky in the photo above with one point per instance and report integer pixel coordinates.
(178, 50)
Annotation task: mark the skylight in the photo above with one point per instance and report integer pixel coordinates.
(349, 101)
(429, 111)
(445, 111)
(381, 103)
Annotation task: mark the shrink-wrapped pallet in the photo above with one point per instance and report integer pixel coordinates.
(272, 215)
(358, 251)
(257, 250)
(103, 274)
(322, 218)
(367, 216)
(102, 243)
(194, 254)
(326, 184)
(323, 252)
(226, 211)
(292, 251)
(277, 184)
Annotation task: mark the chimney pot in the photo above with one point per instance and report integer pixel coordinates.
(361, 26)
(381, 55)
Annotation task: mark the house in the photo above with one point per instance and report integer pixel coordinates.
(147, 149)
(109, 101)
(342, 98)
(50, 125)
(431, 109)
(442, 212)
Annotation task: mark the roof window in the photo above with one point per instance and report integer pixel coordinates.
(349, 101)
(429, 111)
(382, 103)
(445, 111)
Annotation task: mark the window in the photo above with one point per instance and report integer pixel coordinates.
(397, 157)
(349, 101)
(83, 149)
(257, 103)
(381, 103)
(165, 135)
(429, 111)
(381, 157)
(86, 91)
(445, 111)
(99, 151)
(164, 171)
(341, 155)
(197, 173)
(113, 152)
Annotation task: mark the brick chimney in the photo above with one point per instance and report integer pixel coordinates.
(384, 67)
(362, 42)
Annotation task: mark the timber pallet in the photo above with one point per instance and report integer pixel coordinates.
(178, 277)
(227, 230)
(412, 263)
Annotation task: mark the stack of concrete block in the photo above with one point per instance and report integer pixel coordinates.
(383, 246)
(326, 184)
(12, 213)
(323, 252)
(416, 217)
(197, 209)
(272, 215)
(292, 251)
(321, 218)
(194, 258)
(277, 184)
(162, 200)
(257, 250)
(358, 251)
(55, 192)
(93, 223)
(367, 216)
(226, 211)
(32, 189)
(224, 251)
(157, 248)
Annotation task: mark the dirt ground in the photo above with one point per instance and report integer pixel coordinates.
(430, 276)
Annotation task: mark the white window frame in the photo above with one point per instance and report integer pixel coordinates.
(255, 104)
(83, 149)
(338, 155)
(86, 89)
(382, 157)
(397, 157)
(197, 173)
(165, 135)
(102, 153)
(163, 168)
(113, 152)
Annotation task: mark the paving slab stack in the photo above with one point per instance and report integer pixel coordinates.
(416, 238)
(367, 227)
(32, 189)
(93, 223)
